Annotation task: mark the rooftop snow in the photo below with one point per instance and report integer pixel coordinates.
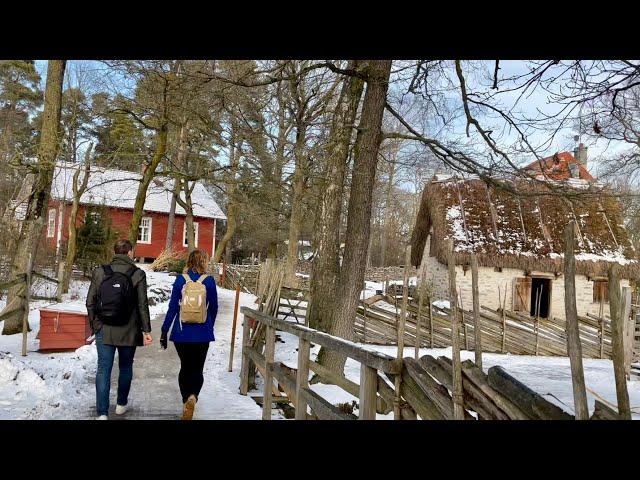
(118, 188)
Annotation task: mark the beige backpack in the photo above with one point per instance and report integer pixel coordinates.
(193, 306)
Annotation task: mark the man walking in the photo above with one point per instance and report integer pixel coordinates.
(118, 312)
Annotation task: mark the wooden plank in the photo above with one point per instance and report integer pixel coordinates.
(574, 347)
(604, 412)
(458, 400)
(421, 404)
(244, 368)
(322, 408)
(376, 360)
(400, 337)
(436, 392)
(478, 378)
(477, 330)
(327, 376)
(530, 402)
(233, 328)
(269, 353)
(368, 389)
(616, 307)
(302, 378)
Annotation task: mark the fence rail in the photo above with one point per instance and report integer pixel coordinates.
(502, 332)
(425, 385)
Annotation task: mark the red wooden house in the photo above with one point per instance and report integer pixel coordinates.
(116, 190)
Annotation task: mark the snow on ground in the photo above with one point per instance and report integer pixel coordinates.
(60, 385)
(549, 376)
(55, 385)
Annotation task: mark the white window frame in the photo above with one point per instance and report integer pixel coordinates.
(51, 223)
(149, 227)
(195, 234)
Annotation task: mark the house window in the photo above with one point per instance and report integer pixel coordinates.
(195, 234)
(600, 291)
(51, 224)
(144, 230)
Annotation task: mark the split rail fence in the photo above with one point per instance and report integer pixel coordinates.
(503, 331)
(425, 384)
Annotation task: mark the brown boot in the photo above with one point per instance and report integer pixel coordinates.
(189, 406)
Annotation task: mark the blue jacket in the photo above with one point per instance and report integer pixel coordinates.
(191, 332)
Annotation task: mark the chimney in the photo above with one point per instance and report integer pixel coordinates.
(580, 153)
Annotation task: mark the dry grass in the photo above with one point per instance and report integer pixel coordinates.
(167, 260)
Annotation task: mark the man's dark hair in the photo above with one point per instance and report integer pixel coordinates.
(123, 247)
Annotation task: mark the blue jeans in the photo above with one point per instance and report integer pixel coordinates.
(106, 355)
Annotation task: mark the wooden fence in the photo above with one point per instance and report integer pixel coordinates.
(425, 384)
(373, 391)
(502, 331)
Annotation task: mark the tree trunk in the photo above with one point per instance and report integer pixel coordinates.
(176, 189)
(188, 208)
(326, 263)
(72, 242)
(171, 222)
(233, 207)
(147, 176)
(387, 224)
(359, 213)
(295, 220)
(33, 224)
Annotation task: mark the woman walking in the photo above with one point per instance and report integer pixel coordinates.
(192, 312)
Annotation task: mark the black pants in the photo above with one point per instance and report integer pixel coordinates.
(190, 378)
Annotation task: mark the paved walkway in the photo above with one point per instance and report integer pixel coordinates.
(155, 394)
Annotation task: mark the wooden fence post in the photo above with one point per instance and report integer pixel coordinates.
(233, 327)
(269, 354)
(574, 347)
(476, 311)
(368, 392)
(364, 313)
(418, 320)
(430, 323)
(401, 322)
(617, 333)
(302, 378)
(458, 408)
(244, 369)
(629, 327)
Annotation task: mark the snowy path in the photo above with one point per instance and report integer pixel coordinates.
(62, 385)
(155, 394)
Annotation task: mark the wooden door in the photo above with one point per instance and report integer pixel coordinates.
(522, 294)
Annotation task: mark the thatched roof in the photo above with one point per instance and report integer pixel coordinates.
(525, 232)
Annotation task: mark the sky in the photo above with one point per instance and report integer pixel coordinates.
(532, 103)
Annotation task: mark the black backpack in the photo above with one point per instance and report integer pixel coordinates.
(116, 297)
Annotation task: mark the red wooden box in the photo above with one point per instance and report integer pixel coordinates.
(63, 330)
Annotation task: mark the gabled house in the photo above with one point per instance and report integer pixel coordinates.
(116, 190)
(518, 240)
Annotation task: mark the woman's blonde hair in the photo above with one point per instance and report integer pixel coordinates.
(198, 261)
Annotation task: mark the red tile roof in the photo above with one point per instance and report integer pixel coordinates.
(556, 167)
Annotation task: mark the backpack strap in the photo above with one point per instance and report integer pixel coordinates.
(187, 278)
(129, 273)
(202, 278)
(107, 270)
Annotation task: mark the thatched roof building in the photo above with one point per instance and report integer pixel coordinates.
(523, 232)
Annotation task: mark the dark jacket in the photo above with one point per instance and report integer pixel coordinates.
(129, 334)
(191, 332)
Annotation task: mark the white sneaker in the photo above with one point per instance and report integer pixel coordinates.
(102, 417)
(121, 409)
